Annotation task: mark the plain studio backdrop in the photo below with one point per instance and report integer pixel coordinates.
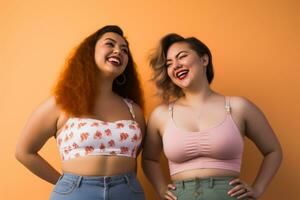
(255, 46)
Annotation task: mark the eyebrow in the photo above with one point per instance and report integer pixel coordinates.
(122, 45)
(177, 55)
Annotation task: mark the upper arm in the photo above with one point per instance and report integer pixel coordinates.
(41, 125)
(139, 116)
(153, 142)
(258, 129)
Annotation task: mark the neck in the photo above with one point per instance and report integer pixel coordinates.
(198, 95)
(104, 90)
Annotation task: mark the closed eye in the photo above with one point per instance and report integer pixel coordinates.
(110, 44)
(125, 51)
(168, 64)
(182, 56)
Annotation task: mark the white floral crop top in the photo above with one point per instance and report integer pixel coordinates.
(87, 136)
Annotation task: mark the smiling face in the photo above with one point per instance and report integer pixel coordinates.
(111, 54)
(184, 66)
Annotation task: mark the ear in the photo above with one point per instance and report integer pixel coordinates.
(205, 59)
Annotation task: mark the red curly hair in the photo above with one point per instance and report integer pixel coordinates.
(76, 87)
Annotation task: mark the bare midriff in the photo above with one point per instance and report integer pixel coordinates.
(203, 173)
(99, 165)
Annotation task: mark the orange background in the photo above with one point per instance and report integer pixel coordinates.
(255, 45)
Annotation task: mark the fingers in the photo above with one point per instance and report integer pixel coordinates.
(246, 194)
(170, 196)
(238, 192)
(235, 181)
(171, 186)
(241, 190)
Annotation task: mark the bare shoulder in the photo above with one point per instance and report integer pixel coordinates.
(242, 104)
(258, 129)
(160, 114)
(41, 125)
(139, 115)
(50, 113)
(160, 111)
(138, 111)
(244, 108)
(50, 107)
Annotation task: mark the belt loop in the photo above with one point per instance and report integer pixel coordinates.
(211, 182)
(61, 176)
(126, 178)
(105, 181)
(197, 183)
(78, 181)
(197, 180)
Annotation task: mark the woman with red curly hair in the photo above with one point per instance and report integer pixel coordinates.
(93, 117)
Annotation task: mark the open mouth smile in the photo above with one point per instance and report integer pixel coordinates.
(182, 74)
(114, 60)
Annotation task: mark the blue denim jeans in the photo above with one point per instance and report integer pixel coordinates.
(120, 187)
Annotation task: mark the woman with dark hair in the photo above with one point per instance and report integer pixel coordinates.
(97, 125)
(201, 131)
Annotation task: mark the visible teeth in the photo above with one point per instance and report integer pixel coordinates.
(181, 73)
(112, 59)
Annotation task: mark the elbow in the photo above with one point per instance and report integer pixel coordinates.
(148, 160)
(143, 157)
(280, 154)
(144, 161)
(276, 154)
(18, 154)
(146, 165)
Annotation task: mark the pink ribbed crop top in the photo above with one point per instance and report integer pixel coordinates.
(219, 147)
(88, 136)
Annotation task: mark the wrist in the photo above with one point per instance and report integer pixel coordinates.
(162, 194)
(258, 191)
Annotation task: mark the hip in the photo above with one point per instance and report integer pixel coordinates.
(212, 188)
(75, 187)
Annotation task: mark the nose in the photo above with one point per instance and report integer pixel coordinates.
(117, 49)
(177, 65)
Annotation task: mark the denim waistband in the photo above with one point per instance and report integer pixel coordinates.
(206, 182)
(99, 180)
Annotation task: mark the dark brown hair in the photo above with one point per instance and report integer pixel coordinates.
(166, 88)
(76, 88)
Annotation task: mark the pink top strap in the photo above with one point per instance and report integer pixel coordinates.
(227, 104)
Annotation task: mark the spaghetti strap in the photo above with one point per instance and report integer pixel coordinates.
(130, 107)
(227, 105)
(171, 107)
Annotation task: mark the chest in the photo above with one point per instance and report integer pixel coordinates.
(93, 132)
(111, 111)
(222, 142)
(195, 121)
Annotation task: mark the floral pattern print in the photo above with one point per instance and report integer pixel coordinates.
(87, 136)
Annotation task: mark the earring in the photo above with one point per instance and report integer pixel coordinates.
(121, 80)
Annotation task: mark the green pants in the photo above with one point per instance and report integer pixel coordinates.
(213, 188)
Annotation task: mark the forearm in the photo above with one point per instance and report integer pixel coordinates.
(40, 167)
(155, 175)
(268, 169)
